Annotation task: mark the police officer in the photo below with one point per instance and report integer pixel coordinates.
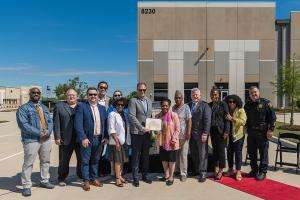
(260, 126)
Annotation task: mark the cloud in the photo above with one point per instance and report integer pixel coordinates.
(83, 73)
(15, 68)
(70, 50)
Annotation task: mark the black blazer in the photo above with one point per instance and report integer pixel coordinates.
(218, 117)
(63, 123)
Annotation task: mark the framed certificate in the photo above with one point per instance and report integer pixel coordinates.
(153, 124)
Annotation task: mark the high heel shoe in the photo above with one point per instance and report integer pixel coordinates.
(219, 175)
(119, 184)
(169, 182)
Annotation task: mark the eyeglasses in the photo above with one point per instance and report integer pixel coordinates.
(142, 90)
(231, 101)
(102, 88)
(35, 92)
(120, 104)
(117, 95)
(92, 94)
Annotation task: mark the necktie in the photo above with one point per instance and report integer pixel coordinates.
(97, 120)
(41, 115)
(193, 107)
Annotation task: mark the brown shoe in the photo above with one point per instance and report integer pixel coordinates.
(96, 183)
(86, 186)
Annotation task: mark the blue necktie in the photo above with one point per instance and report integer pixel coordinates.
(193, 107)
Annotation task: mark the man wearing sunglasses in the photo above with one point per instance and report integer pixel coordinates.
(103, 99)
(90, 126)
(139, 109)
(35, 123)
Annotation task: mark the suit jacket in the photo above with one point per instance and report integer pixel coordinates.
(84, 122)
(63, 123)
(137, 115)
(201, 118)
(107, 102)
(218, 115)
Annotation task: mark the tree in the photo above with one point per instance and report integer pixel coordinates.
(288, 84)
(75, 83)
(131, 95)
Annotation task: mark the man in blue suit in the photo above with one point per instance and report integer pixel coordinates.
(90, 126)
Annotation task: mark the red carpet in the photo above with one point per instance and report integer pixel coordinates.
(267, 189)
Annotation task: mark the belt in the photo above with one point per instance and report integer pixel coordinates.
(97, 136)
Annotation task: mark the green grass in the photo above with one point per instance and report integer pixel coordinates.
(279, 130)
(3, 121)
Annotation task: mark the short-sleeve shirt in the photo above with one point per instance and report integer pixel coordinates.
(184, 114)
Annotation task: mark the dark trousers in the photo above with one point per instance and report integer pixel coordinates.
(218, 144)
(65, 154)
(90, 160)
(258, 140)
(234, 149)
(140, 150)
(199, 154)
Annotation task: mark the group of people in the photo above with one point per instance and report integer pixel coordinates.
(89, 127)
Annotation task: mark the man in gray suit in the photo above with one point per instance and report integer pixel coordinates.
(65, 135)
(139, 110)
(201, 119)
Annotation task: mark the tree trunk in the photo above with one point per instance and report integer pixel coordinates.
(292, 114)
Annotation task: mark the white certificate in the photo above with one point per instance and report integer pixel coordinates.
(153, 124)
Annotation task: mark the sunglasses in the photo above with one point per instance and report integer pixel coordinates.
(35, 92)
(103, 88)
(120, 104)
(231, 101)
(117, 95)
(92, 94)
(142, 90)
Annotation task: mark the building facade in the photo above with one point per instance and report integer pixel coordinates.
(13, 97)
(233, 45)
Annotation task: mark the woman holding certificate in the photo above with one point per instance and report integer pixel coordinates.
(168, 139)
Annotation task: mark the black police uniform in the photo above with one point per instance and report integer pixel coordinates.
(260, 118)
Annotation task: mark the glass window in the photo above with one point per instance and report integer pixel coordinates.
(160, 91)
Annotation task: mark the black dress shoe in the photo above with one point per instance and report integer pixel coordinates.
(147, 180)
(260, 176)
(136, 183)
(252, 174)
(169, 182)
(202, 178)
(163, 179)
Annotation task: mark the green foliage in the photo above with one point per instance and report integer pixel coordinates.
(131, 95)
(288, 80)
(288, 83)
(75, 83)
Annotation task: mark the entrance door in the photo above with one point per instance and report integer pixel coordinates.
(224, 93)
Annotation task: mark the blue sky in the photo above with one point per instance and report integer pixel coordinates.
(47, 42)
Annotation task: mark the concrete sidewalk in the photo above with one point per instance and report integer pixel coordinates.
(11, 158)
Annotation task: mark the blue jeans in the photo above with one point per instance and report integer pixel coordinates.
(90, 160)
(234, 149)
